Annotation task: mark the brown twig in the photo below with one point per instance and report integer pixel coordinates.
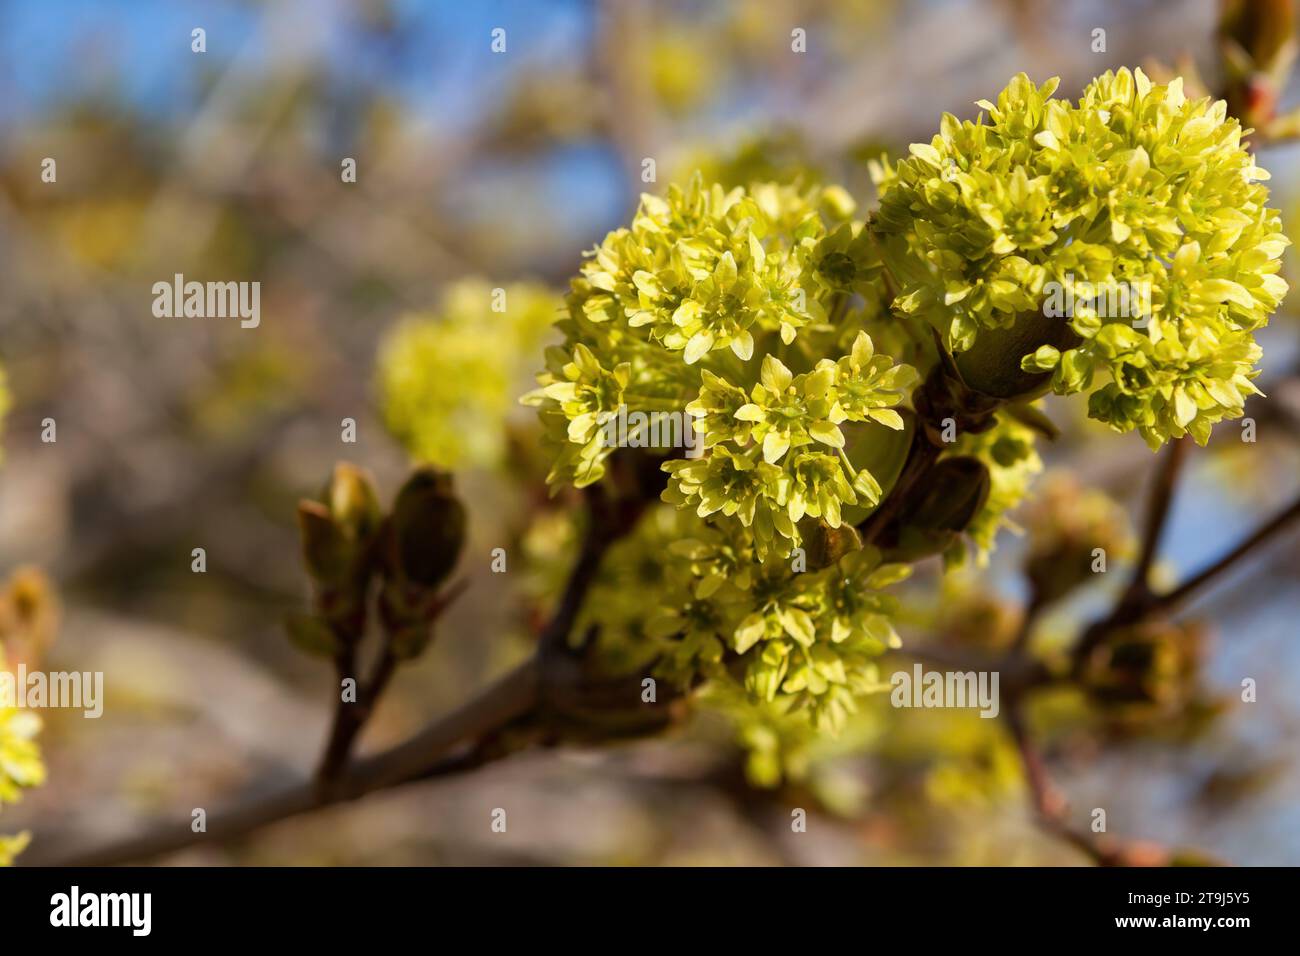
(1049, 806)
(1275, 525)
(1025, 629)
(1137, 598)
(350, 717)
(1128, 613)
(1049, 803)
(512, 697)
(430, 752)
(1157, 517)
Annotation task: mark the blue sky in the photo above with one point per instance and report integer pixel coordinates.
(437, 57)
(436, 60)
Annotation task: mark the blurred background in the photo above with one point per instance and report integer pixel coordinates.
(476, 170)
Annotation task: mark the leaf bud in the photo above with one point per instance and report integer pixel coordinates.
(426, 532)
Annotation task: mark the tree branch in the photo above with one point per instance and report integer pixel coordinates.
(350, 718)
(514, 696)
(430, 752)
(1048, 801)
(1129, 613)
(1050, 807)
(1028, 619)
(1272, 527)
(1157, 516)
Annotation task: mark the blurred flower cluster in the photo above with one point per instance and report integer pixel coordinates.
(447, 385)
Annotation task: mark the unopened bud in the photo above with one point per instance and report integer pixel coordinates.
(325, 551)
(353, 503)
(427, 530)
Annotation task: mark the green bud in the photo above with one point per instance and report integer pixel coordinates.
(994, 367)
(1070, 527)
(1257, 33)
(933, 519)
(955, 491)
(826, 545)
(1152, 664)
(427, 530)
(880, 452)
(337, 528)
(353, 503)
(326, 552)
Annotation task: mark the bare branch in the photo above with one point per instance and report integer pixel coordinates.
(1157, 516)
(1274, 526)
(430, 752)
(512, 697)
